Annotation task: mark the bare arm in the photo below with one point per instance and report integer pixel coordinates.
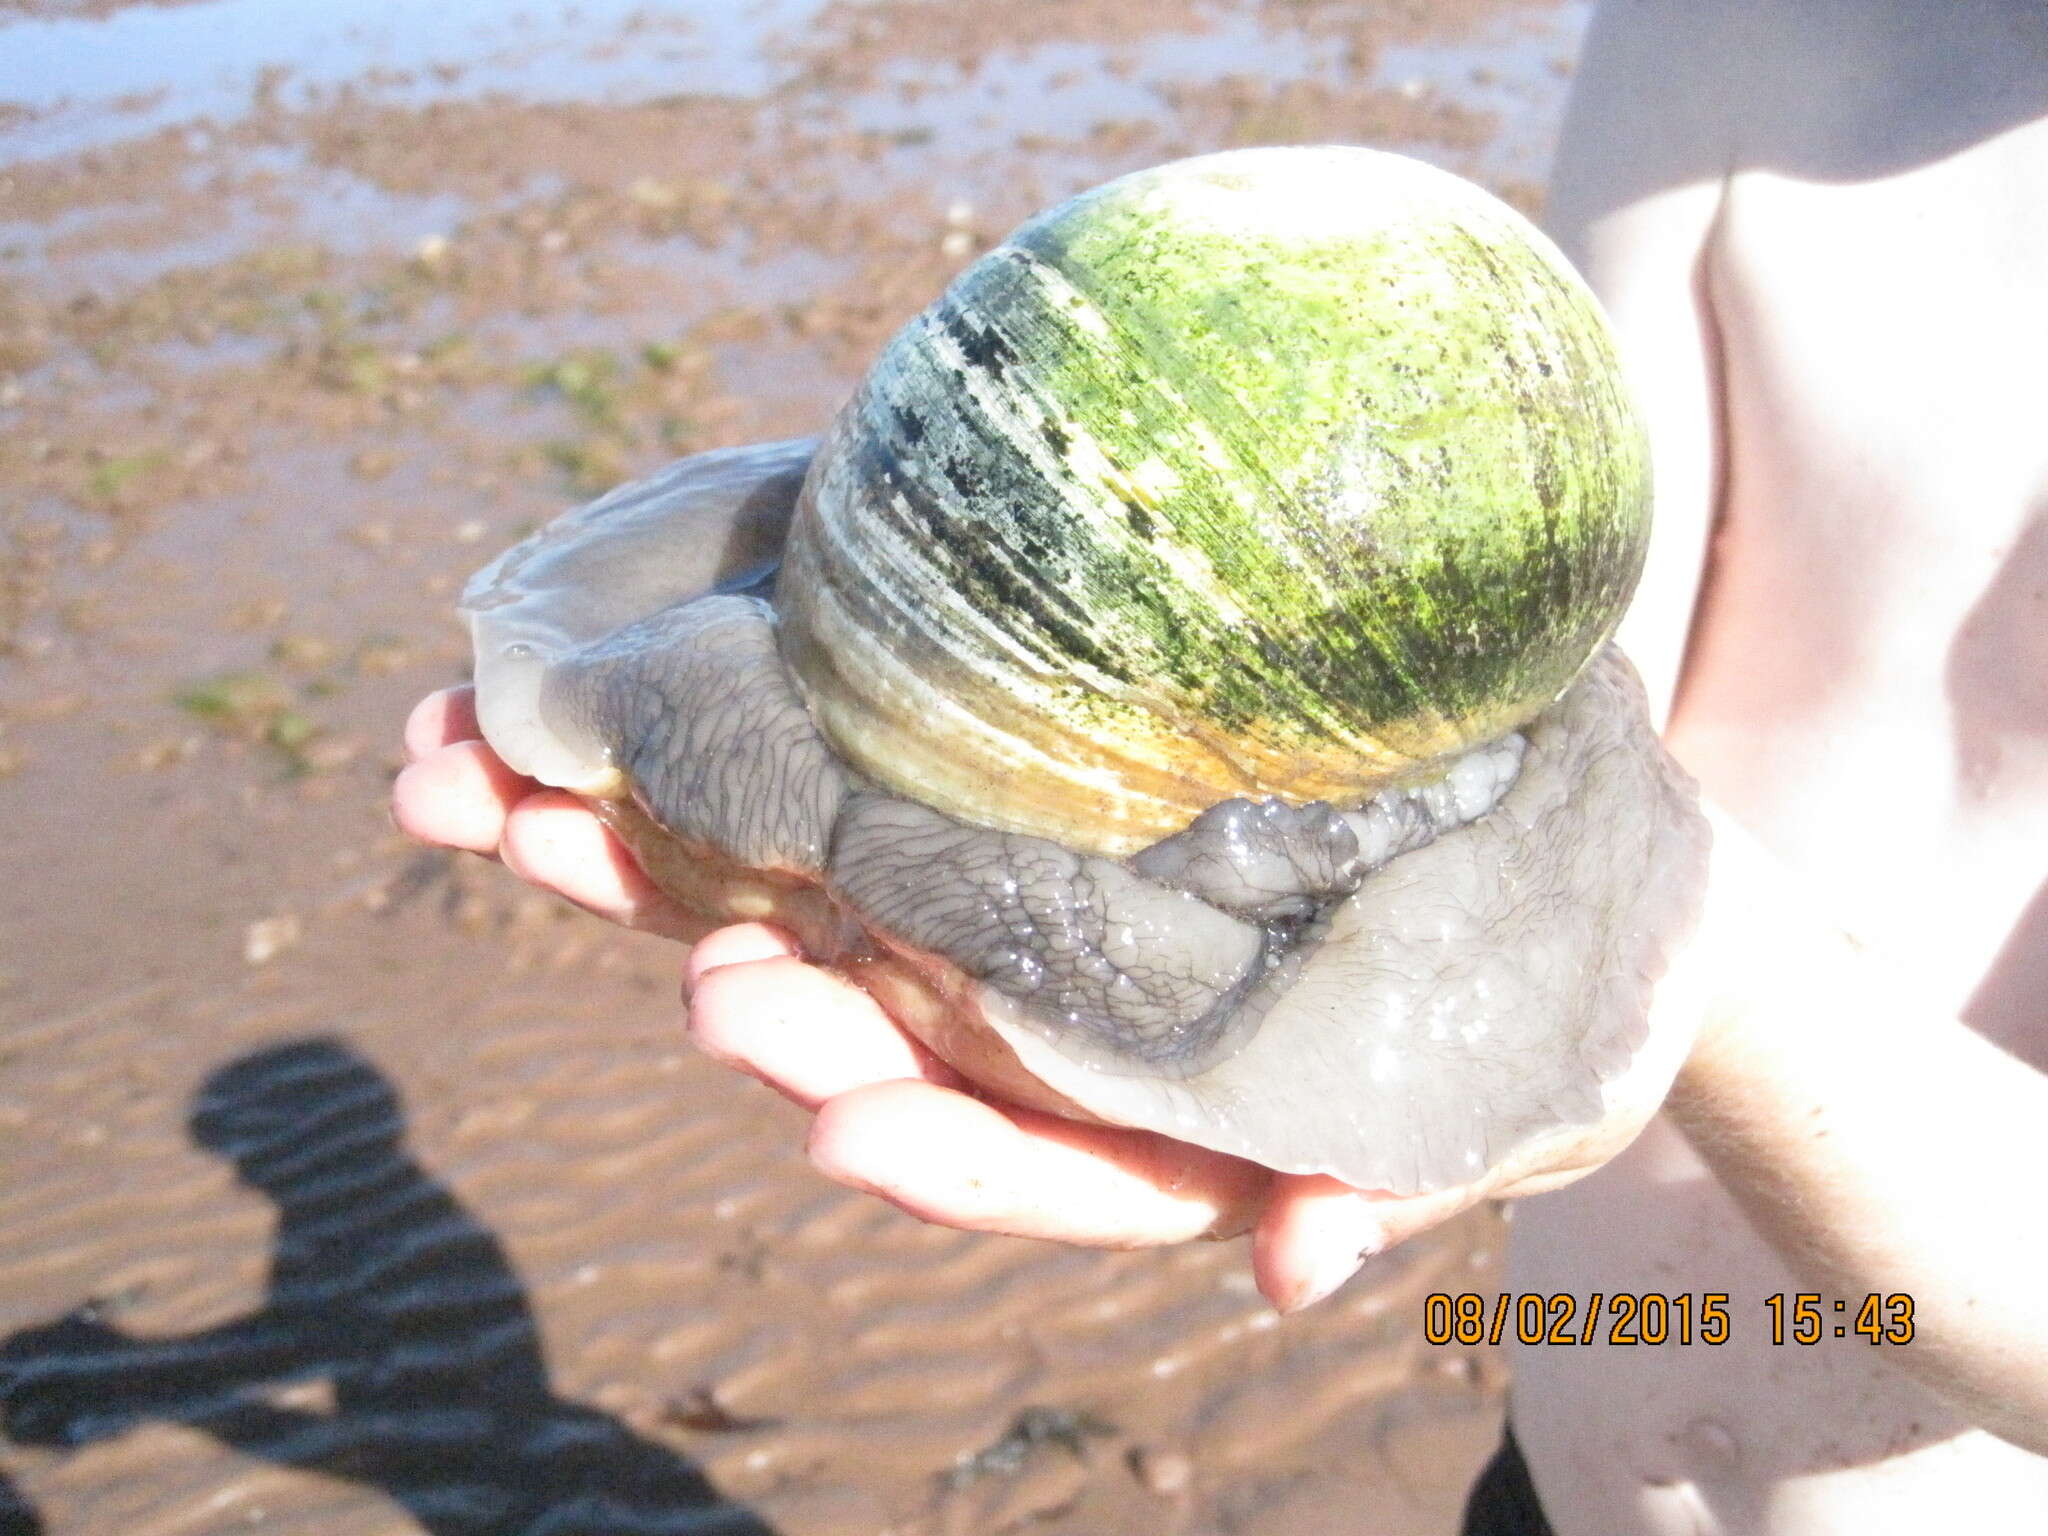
(1877, 1145)
(1635, 211)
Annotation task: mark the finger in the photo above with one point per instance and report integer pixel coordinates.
(440, 720)
(948, 1158)
(804, 1032)
(737, 944)
(552, 839)
(1316, 1232)
(458, 796)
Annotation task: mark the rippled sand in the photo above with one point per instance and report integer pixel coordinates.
(346, 1187)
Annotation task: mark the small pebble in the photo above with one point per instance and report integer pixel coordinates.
(329, 754)
(1165, 1473)
(168, 752)
(303, 653)
(259, 613)
(267, 938)
(381, 658)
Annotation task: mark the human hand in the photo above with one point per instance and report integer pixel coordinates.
(53, 1379)
(882, 1102)
(455, 792)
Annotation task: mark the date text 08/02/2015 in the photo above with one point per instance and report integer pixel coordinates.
(1634, 1318)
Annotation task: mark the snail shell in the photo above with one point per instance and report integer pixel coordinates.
(1182, 700)
(1278, 472)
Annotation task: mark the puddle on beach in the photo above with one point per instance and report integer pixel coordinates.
(347, 1186)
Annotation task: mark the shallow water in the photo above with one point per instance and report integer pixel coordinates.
(209, 59)
(348, 1187)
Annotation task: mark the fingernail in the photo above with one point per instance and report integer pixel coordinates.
(1329, 1276)
(1365, 1239)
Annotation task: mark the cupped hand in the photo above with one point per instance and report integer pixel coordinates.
(455, 792)
(892, 1119)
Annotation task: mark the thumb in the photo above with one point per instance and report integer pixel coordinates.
(1316, 1232)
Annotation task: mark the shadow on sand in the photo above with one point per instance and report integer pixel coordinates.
(385, 1288)
(16, 1517)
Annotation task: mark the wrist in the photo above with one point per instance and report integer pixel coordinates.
(1762, 976)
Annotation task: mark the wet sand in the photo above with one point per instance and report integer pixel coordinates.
(349, 1187)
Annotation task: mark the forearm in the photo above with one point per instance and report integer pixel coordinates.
(1877, 1146)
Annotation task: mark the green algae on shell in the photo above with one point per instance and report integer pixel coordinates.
(1280, 472)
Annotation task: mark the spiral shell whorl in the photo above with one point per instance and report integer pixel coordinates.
(1274, 473)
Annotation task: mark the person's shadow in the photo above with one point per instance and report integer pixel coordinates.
(385, 1288)
(16, 1517)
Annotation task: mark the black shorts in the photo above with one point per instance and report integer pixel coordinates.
(1503, 1500)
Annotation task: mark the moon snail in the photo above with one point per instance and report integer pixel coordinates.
(1178, 684)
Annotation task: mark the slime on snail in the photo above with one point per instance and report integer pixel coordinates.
(1177, 684)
